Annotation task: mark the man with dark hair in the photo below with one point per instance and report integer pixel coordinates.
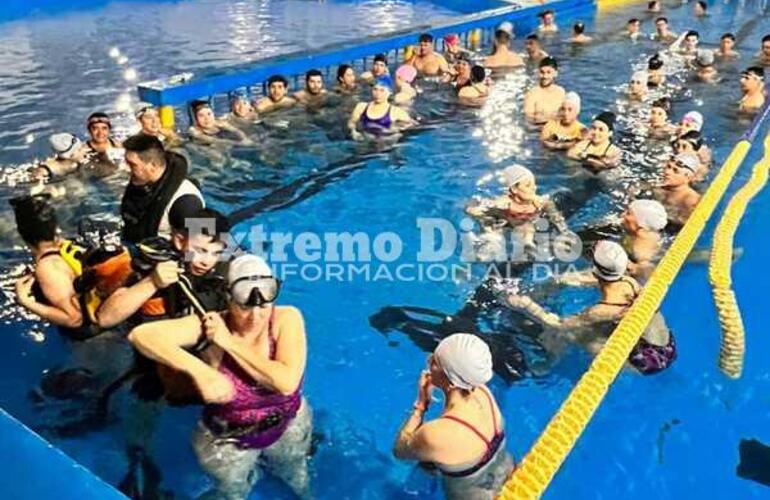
(634, 28)
(101, 147)
(277, 95)
(753, 88)
(379, 68)
(535, 52)
(653, 6)
(502, 56)
(542, 103)
(158, 179)
(547, 24)
(700, 9)
(426, 61)
(764, 53)
(662, 32)
(726, 48)
(314, 92)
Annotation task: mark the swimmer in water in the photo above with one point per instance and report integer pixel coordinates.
(687, 44)
(379, 68)
(644, 221)
(346, 80)
(534, 49)
(578, 34)
(149, 120)
(637, 87)
(656, 75)
(676, 192)
(726, 48)
(662, 32)
(477, 92)
(597, 152)
(704, 65)
(255, 418)
(659, 125)
(519, 208)
(634, 28)
(654, 6)
(547, 22)
(466, 441)
(764, 52)
(700, 9)
(242, 114)
(542, 102)
(692, 142)
(48, 290)
(753, 88)
(591, 327)
(378, 117)
(565, 131)
(405, 93)
(314, 92)
(452, 48)
(426, 61)
(209, 131)
(502, 56)
(65, 159)
(277, 96)
(101, 147)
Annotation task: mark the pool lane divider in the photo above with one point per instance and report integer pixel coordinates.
(538, 468)
(474, 30)
(733, 343)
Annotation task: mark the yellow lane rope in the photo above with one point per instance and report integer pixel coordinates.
(539, 466)
(733, 340)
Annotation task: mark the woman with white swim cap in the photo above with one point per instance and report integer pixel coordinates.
(466, 442)
(644, 220)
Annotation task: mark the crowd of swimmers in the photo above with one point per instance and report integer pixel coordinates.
(207, 330)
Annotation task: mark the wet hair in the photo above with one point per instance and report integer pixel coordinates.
(579, 28)
(478, 74)
(381, 58)
(532, 37)
(766, 38)
(655, 62)
(278, 79)
(693, 137)
(147, 147)
(633, 20)
(426, 37)
(728, 36)
(652, 4)
(545, 13)
(692, 33)
(664, 19)
(311, 73)
(196, 106)
(549, 61)
(206, 218)
(341, 70)
(663, 103)
(703, 5)
(35, 218)
(757, 71)
(502, 37)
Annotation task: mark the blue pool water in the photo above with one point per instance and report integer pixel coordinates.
(674, 435)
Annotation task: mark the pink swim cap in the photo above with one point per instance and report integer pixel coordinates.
(406, 72)
(452, 39)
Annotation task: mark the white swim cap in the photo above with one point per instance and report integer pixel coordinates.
(695, 118)
(465, 359)
(690, 161)
(610, 260)
(640, 76)
(64, 145)
(650, 214)
(574, 98)
(515, 173)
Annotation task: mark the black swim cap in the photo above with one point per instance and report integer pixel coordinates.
(579, 27)
(478, 74)
(549, 61)
(606, 117)
(35, 218)
(655, 62)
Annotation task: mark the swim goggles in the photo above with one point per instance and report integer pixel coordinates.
(252, 291)
(142, 110)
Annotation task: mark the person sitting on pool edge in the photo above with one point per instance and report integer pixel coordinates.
(379, 68)
(210, 131)
(596, 151)
(377, 117)
(346, 80)
(634, 28)
(250, 379)
(662, 32)
(656, 349)
(541, 103)
(578, 34)
(277, 96)
(753, 88)
(565, 131)
(534, 49)
(314, 92)
(637, 87)
(547, 23)
(242, 115)
(659, 125)
(726, 48)
(502, 56)
(149, 121)
(466, 442)
(676, 192)
(405, 93)
(426, 61)
(519, 208)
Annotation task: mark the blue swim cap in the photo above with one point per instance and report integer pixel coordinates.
(384, 81)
